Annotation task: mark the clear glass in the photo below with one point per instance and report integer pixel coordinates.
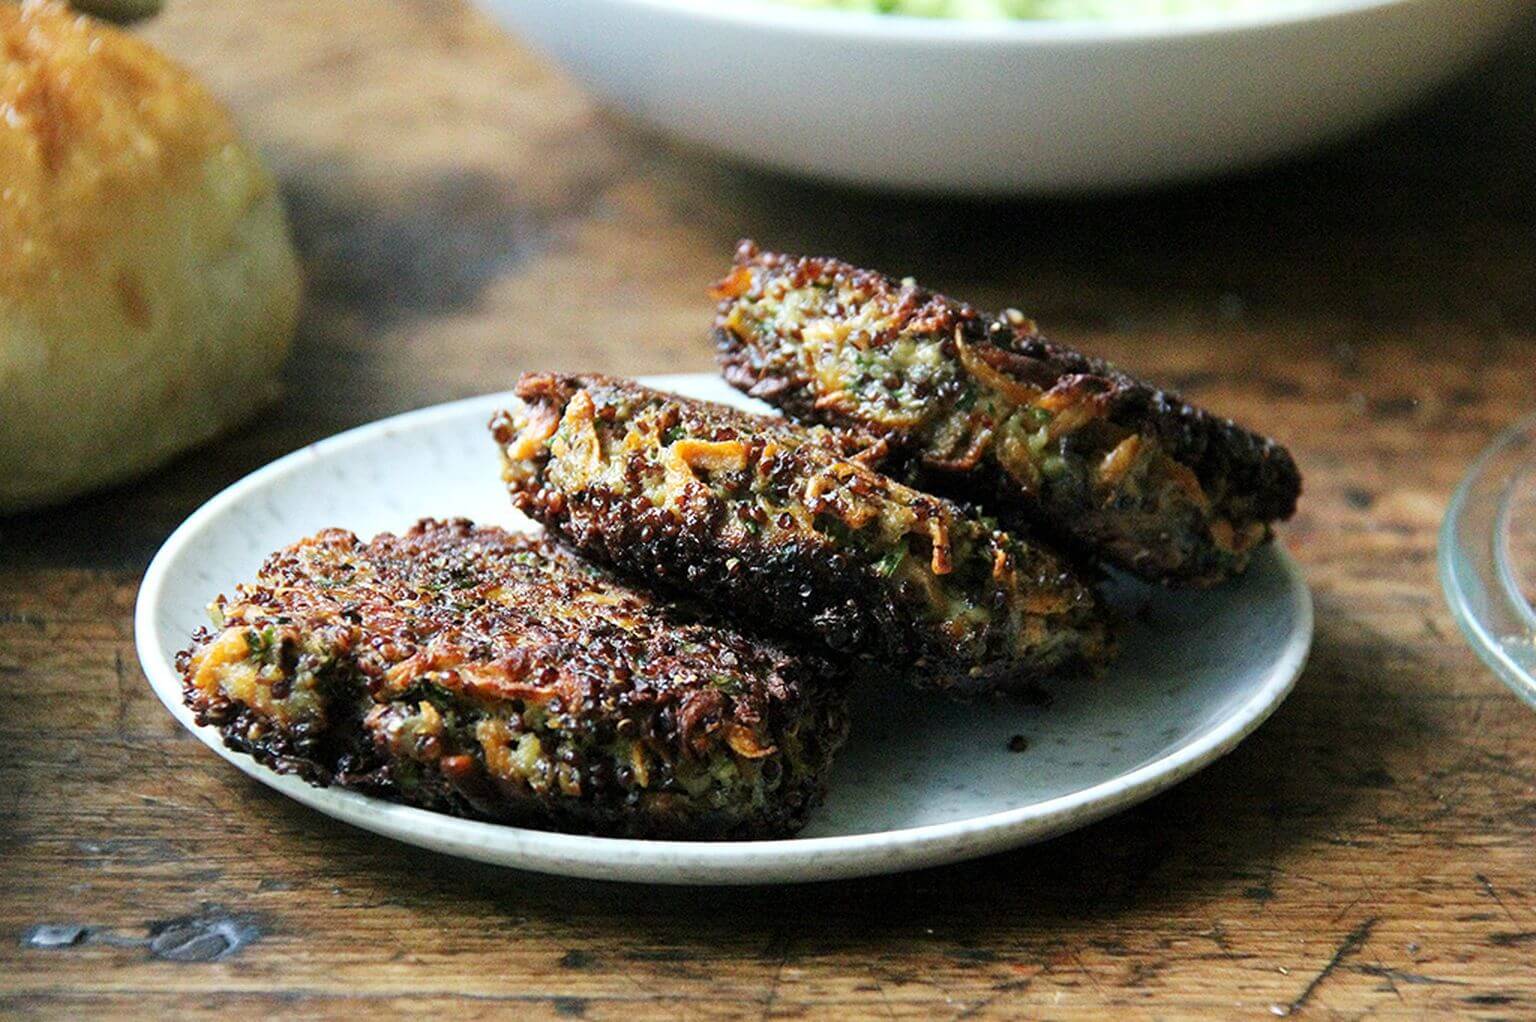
(1488, 557)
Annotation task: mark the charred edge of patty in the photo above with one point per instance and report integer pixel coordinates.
(797, 580)
(346, 729)
(1247, 465)
(344, 755)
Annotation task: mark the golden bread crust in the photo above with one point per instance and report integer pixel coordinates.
(148, 285)
(96, 127)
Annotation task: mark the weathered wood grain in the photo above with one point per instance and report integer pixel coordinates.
(464, 215)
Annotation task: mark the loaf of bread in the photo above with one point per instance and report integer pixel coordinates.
(148, 285)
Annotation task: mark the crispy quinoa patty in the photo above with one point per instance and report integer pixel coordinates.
(493, 675)
(983, 407)
(774, 524)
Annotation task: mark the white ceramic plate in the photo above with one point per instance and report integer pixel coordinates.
(1198, 672)
(1008, 107)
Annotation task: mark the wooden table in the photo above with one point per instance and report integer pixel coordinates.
(465, 215)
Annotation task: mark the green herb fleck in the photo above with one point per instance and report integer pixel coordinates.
(834, 527)
(888, 564)
(261, 641)
(727, 684)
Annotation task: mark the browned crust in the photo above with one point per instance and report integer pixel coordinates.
(100, 131)
(774, 537)
(1252, 479)
(491, 626)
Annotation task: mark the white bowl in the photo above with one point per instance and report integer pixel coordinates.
(1002, 107)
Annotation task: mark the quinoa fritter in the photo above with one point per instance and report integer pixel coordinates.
(983, 407)
(777, 526)
(492, 675)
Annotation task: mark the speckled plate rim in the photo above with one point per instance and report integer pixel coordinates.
(683, 862)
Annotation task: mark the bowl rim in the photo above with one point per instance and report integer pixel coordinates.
(1463, 580)
(908, 28)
